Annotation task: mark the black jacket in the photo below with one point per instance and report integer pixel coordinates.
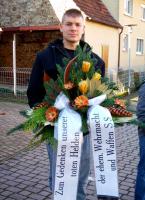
(46, 61)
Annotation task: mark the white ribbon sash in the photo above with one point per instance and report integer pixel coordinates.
(70, 138)
(104, 151)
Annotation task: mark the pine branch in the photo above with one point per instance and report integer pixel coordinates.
(37, 119)
(45, 134)
(20, 127)
(24, 113)
(52, 91)
(108, 102)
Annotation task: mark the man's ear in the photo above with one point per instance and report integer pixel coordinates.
(84, 29)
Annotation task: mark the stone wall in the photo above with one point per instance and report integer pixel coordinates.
(15, 13)
(27, 45)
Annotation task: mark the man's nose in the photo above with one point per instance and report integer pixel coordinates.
(73, 27)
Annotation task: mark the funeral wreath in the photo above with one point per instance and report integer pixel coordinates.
(80, 86)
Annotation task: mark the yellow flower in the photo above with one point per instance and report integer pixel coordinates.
(97, 76)
(86, 66)
(83, 86)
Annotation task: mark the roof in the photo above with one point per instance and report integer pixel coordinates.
(95, 10)
(98, 12)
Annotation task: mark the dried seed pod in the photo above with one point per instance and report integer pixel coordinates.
(120, 112)
(40, 105)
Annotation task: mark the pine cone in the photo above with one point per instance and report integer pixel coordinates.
(121, 112)
(40, 105)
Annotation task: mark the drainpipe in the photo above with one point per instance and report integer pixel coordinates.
(119, 46)
(129, 58)
(129, 54)
(0, 32)
(14, 64)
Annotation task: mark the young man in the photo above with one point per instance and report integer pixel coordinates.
(72, 28)
(140, 181)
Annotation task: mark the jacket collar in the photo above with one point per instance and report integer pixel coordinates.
(59, 44)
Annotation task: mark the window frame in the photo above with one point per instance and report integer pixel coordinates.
(143, 12)
(128, 11)
(125, 42)
(141, 47)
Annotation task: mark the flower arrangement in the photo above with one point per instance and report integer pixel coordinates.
(80, 83)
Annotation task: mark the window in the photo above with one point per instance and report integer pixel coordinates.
(125, 42)
(139, 46)
(128, 7)
(143, 12)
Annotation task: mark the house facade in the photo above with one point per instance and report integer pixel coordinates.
(131, 15)
(38, 24)
(102, 33)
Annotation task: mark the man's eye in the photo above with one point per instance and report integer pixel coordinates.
(78, 25)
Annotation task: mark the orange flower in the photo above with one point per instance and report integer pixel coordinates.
(86, 66)
(81, 101)
(83, 87)
(69, 85)
(51, 114)
(120, 103)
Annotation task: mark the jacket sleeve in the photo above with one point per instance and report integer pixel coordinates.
(100, 65)
(36, 90)
(141, 104)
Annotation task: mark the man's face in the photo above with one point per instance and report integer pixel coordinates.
(72, 28)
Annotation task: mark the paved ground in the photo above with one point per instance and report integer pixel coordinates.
(24, 174)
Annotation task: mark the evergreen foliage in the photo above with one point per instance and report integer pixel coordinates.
(36, 120)
(52, 90)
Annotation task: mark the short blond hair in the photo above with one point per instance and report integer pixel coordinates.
(73, 12)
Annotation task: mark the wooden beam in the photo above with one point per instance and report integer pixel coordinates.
(30, 28)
